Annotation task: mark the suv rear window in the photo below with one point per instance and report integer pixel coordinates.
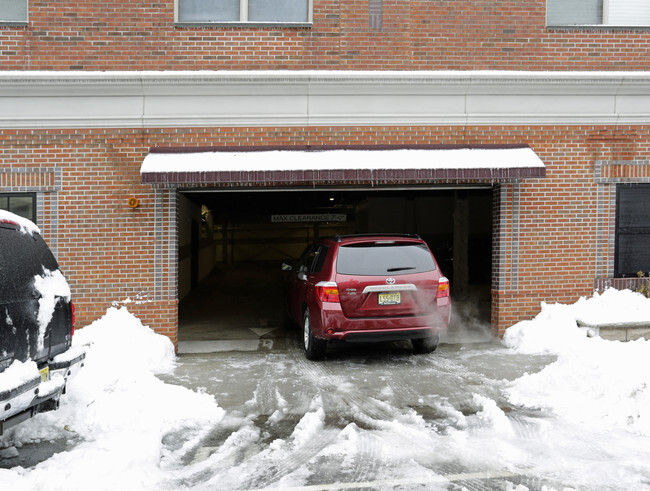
(382, 259)
(24, 255)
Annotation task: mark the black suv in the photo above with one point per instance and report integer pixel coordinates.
(36, 324)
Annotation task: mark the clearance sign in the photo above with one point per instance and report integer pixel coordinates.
(319, 217)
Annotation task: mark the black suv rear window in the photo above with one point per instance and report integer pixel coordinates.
(382, 259)
(22, 256)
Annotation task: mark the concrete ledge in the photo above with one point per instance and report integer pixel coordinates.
(619, 331)
(202, 347)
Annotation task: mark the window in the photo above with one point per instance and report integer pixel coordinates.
(13, 11)
(240, 11)
(598, 12)
(632, 229)
(312, 259)
(381, 260)
(321, 255)
(23, 205)
(375, 15)
(306, 260)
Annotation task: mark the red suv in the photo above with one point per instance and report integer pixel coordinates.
(365, 288)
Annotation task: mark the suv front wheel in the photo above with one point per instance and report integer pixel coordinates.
(314, 347)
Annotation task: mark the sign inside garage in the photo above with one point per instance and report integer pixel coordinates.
(319, 217)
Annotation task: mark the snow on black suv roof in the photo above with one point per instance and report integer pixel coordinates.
(36, 324)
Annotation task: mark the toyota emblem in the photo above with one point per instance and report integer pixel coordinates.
(390, 281)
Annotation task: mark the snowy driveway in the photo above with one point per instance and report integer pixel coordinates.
(387, 420)
(553, 410)
(374, 419)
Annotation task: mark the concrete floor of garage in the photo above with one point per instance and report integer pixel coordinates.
(240, 308)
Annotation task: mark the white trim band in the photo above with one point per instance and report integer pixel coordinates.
(36, 99)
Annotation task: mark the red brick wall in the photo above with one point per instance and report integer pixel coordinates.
(107, 249)
(415, 35)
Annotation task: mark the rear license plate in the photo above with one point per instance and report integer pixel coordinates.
(392, 298)
(45, 374)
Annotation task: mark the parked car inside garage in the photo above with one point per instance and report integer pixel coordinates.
(36, 324)
(368, 288)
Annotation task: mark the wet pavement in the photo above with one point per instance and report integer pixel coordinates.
(368, 417)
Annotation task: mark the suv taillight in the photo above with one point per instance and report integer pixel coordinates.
(443, 288)
(327, 292)
(74, 319)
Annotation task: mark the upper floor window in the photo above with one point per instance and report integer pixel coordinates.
(241, 11)
(13, 11)
(621, 13)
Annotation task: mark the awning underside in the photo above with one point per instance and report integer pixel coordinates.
(266, 167)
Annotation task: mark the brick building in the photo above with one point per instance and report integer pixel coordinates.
(105, 105)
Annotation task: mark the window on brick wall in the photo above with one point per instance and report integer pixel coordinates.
(598, 12)
(13, 11)
(375, 14)
(632, 252)
(23, 205)
(253, 11)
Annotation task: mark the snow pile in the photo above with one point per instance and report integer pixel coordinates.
(122, 417)
(51, 285)
(121, 346)
(555, 330)
(600, 383)
(26, 226)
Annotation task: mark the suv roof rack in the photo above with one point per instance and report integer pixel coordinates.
(337, 238)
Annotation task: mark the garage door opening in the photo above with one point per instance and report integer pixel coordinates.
(232, 245)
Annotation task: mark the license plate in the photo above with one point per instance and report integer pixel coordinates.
(392, 298)
(45, 374)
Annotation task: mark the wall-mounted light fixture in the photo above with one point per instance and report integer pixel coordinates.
(134, 202)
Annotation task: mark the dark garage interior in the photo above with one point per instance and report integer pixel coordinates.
(232, 245)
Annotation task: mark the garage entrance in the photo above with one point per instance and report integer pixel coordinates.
(232, 245)
(242, 211)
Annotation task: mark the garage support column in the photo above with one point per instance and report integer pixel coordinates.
(224, 242)
(461, 245)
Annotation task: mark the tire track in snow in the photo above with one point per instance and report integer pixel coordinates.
(372, 413)
(340, 406)
(269, 471)
(358, 407)
(257, 464)
(272, 465)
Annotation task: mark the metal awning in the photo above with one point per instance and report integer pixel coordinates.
(352, 165)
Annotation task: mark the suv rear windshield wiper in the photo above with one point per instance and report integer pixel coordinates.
(401, 268)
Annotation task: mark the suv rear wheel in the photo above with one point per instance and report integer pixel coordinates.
(314, 347)
(426, 345)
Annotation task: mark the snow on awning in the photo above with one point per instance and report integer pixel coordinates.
(363, 165)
